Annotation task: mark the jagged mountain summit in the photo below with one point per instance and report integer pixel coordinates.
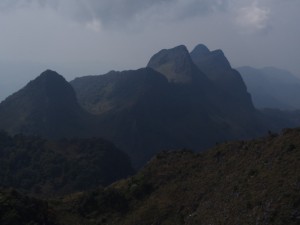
(176, 64)
(209, 60)
(218, 69)
(46, 106)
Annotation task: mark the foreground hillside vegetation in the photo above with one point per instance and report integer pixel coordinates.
(46, 167)
(17, 209)
(243, 182)
(253, 182)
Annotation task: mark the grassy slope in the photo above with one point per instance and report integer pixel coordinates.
(253, 182)
(245, 182)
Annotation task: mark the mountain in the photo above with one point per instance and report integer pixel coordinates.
(131, 109)
(241, 182)
(176, 64)
(272, 87)
(218, 69)
(16, 208)
(120, 90)
(167, 105)
(54, 167)
(209, 61)
(179, 100)
(46, 106)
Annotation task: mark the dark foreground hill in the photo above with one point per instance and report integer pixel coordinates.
(244, 182)
(47, 168)
(18, 209)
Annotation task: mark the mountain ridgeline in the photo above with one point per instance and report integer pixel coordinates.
(172, 103)
(179, 100)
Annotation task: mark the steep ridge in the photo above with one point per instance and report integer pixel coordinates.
(139, 111)
(46, 106)
(209, 60)
(116, 91)
(244, 182)
(218, 69)
(176, 64)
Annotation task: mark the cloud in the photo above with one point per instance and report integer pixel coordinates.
(253, 18)
(122, 12)
(183, 9)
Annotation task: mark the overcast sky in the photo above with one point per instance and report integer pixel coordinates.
(81, 37)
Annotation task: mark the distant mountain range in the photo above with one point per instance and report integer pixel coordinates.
(179, 100)
(272, 87)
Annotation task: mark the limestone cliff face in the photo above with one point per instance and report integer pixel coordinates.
(176, 64)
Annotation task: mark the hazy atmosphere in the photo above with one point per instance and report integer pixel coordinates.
(81, 37)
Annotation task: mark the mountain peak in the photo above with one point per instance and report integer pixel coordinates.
(209, 60)
(49, 72)
(50, 76)
(51, 84)
(49, 108)
(169, 55)
(175, 63)
(179, 48)
(200, 50)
